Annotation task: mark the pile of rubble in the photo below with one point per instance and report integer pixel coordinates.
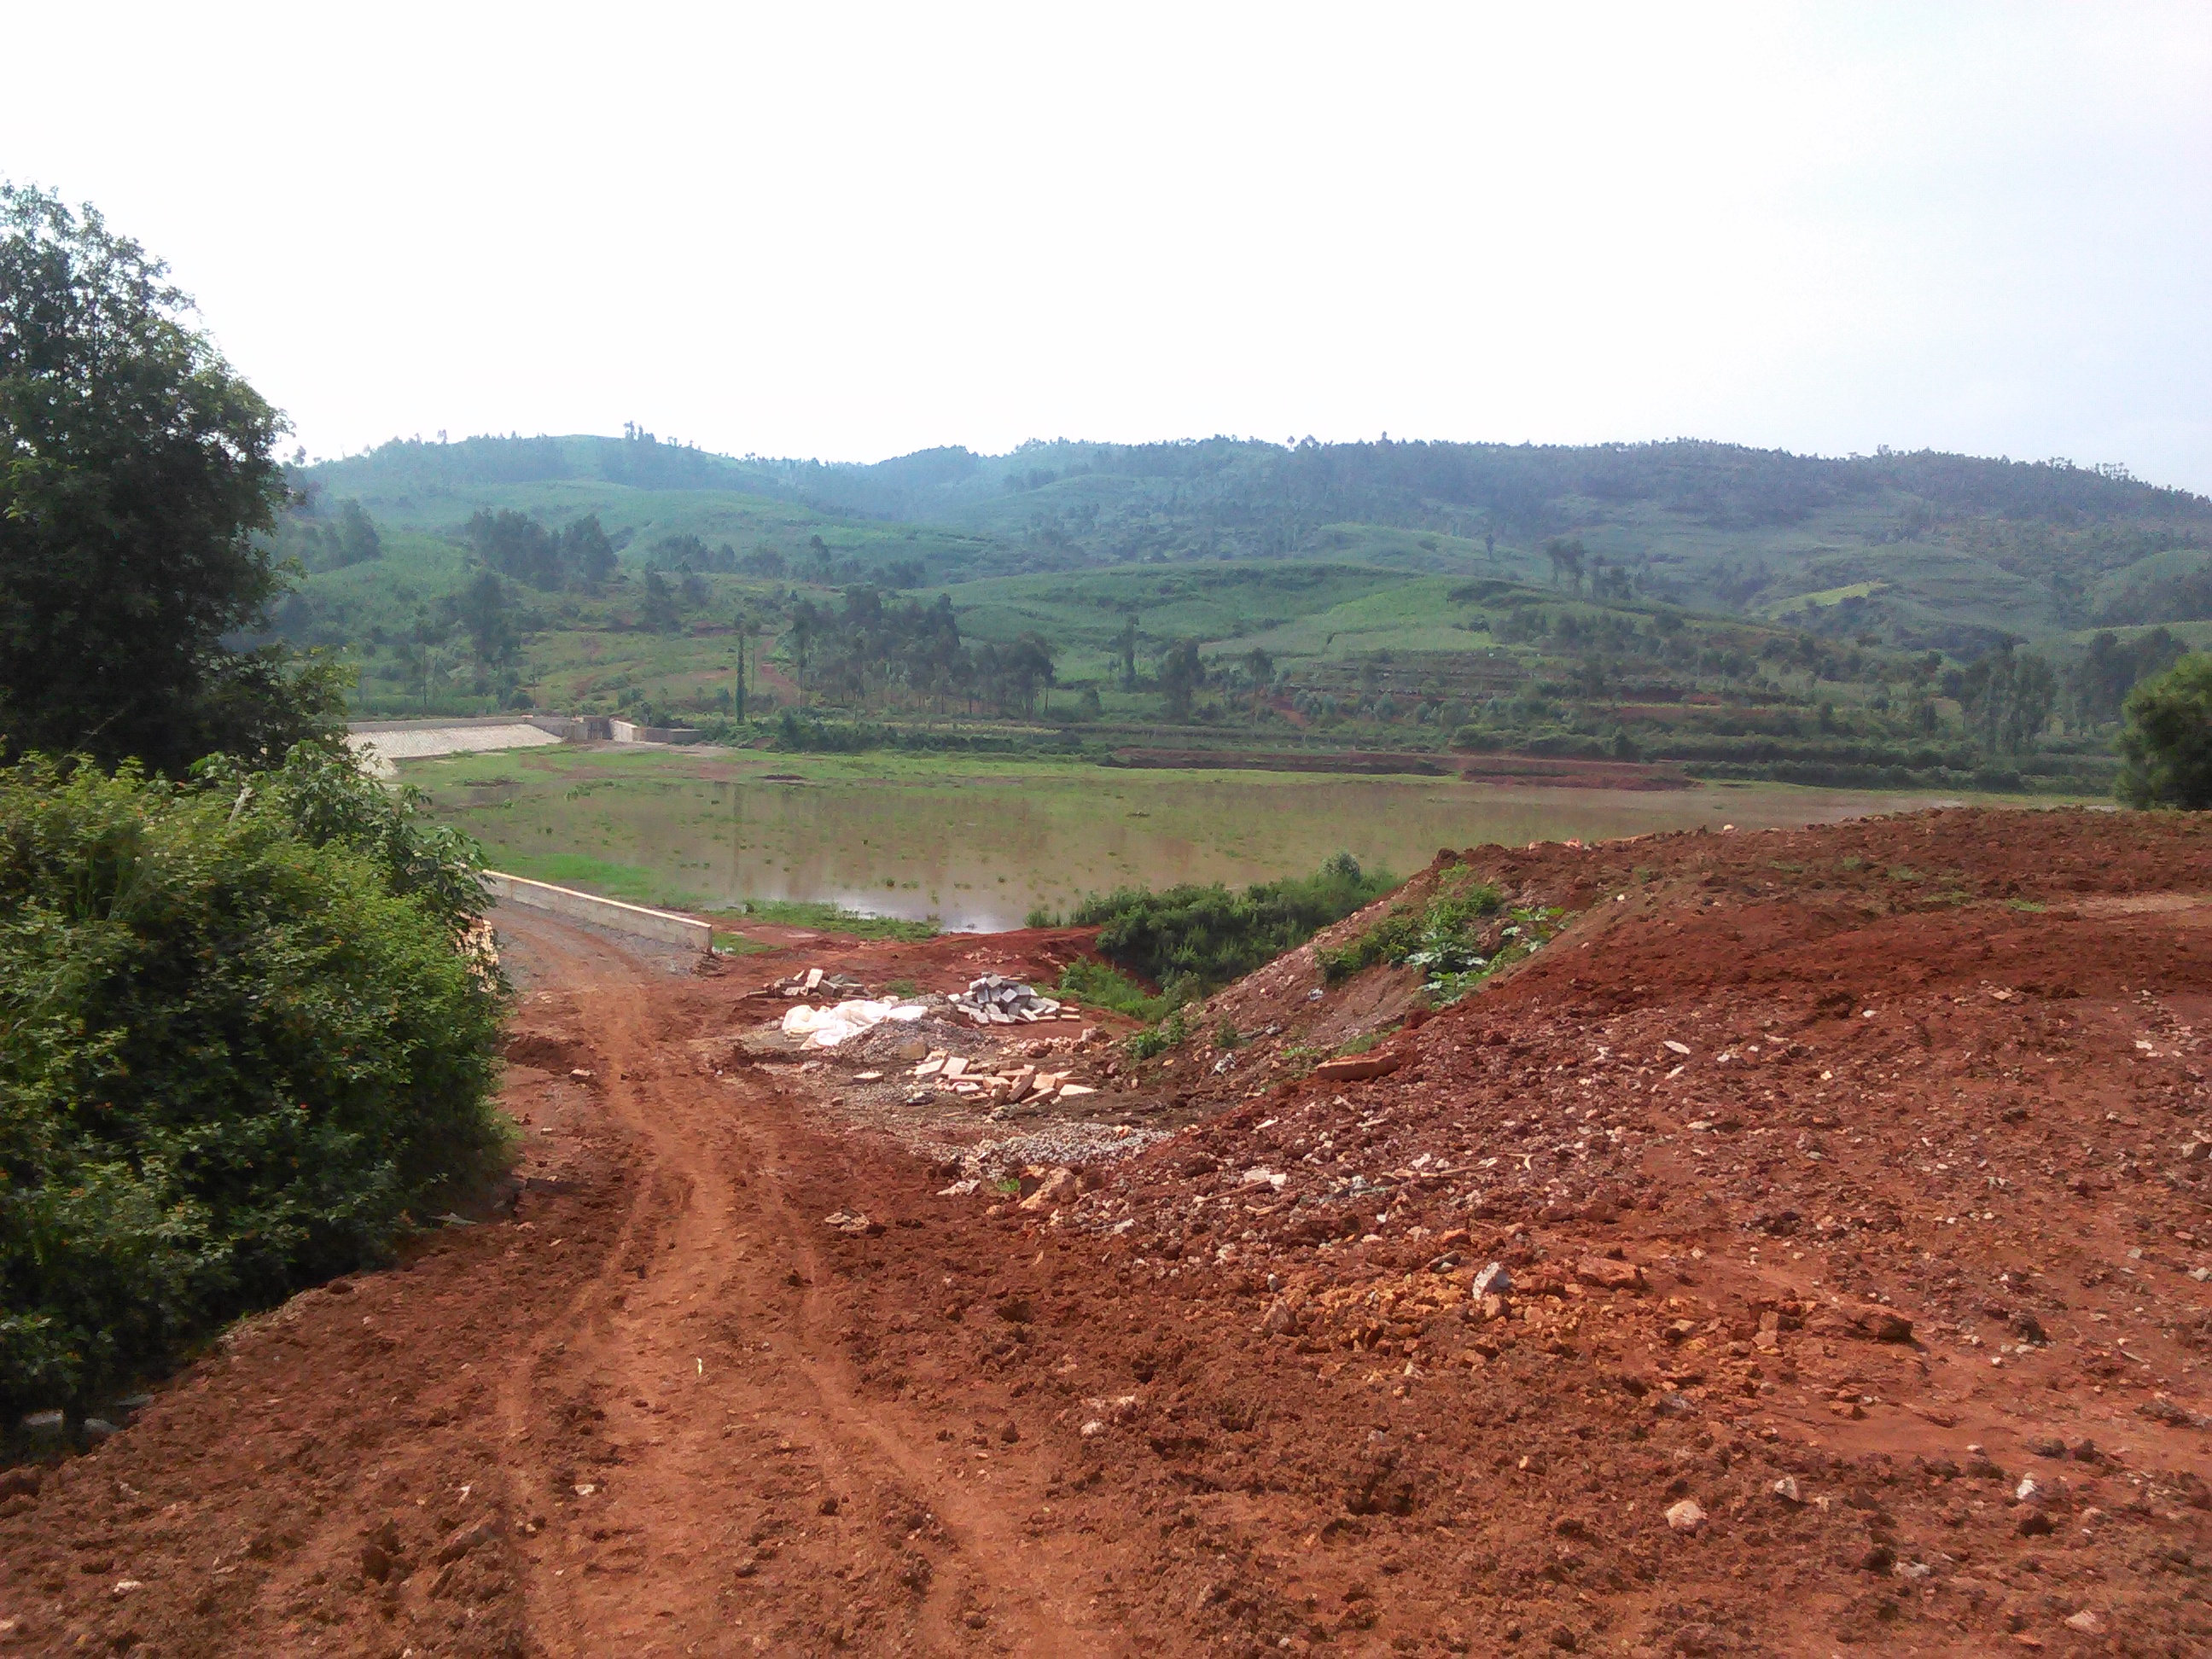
(994, 999)
(951, 1074)
(813, 982)
(1047, 1162)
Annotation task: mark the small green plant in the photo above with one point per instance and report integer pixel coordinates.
(1225, 1034)
(1443, 936)
(1098, 986)
(2026, 907)
(1170, 1033)
(1455, 940)
(1903, 872)
(903, 988)
(1039, 916)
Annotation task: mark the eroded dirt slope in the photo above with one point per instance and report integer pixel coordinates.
(1885, 1266)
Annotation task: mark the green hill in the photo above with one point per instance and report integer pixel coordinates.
(1718, 605)
(1943, 551)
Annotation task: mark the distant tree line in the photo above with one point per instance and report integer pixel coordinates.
(325, 535)
(870, 654)
(515, 545)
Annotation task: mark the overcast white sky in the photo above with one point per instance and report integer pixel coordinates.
(853, 231)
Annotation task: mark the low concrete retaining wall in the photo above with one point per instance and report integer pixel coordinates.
(669, 929)
(631, 732)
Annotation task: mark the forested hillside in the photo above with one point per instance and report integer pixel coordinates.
(1924, 550)
(1923, 616)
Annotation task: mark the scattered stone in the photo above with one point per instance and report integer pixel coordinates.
(462, 1540)
(1493, 1280)
(1058, 1187)
(1787, 1490)
(2085, 1621)
(1686, 1516)
(1357, 1068)
(847, 1221)
(1608, 1274)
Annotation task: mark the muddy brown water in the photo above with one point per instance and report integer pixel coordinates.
(980, 848)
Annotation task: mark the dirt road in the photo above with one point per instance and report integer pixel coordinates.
(630, 1420)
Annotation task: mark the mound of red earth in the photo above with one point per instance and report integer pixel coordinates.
(1805, 1250)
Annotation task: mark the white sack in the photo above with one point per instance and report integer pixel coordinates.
(825, 1027)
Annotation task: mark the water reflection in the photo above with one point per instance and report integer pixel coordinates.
(981, 852)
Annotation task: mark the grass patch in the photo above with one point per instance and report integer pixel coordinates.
(1189, 939)
(1097, 985)
(632, 883)
(737, 945)
(833, 919)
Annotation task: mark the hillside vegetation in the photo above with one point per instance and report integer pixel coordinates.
(1893, 617)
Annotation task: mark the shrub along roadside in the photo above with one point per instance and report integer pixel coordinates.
(241, 1046)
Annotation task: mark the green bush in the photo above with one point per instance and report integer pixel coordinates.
(2167, 743)
(239, 1048)
(1189, 939)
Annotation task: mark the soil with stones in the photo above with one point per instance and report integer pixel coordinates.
(1849, 1187)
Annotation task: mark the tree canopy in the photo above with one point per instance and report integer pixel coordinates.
(2167, 742)
(137, 482)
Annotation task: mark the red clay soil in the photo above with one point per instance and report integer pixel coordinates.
(1890, 1277)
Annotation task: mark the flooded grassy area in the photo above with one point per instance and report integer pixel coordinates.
(979, 843)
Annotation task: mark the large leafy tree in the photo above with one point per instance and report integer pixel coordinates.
(137, 472)
(2167, 742)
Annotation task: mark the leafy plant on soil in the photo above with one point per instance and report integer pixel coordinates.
(1457, 939)
(242, 1043)
(1170, 1033)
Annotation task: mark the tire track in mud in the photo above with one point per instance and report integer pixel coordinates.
(708, 1476)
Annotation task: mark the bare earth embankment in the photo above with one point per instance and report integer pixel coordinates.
(1849, 1182)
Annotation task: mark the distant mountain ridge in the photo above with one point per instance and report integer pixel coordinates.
(1924, 548)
